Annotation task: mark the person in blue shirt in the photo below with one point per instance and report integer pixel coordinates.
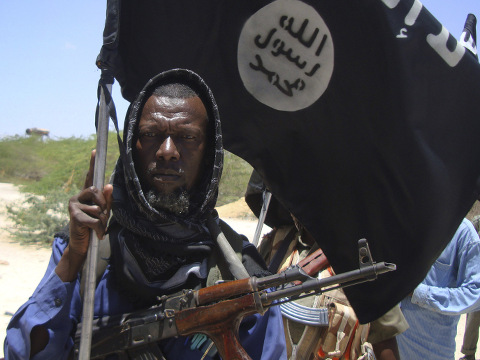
(470, 337)
(451, 288)
(162, 198)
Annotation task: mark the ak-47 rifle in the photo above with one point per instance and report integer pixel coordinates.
(217, 311)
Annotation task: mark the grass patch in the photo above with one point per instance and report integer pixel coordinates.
(46, 165)
(235, 176)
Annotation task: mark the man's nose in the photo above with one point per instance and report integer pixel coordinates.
(168, 150)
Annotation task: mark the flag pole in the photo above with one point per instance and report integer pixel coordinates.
(105, 84)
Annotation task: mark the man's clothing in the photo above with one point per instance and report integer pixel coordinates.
(451, 288)
(389, 325)
(153, 253)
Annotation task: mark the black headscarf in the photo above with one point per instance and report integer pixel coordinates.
(155, 251)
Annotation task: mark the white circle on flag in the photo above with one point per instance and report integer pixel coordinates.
(285, 55)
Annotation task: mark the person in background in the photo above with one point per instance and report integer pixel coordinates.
(451, 288)
(470, 337)
(339, 335)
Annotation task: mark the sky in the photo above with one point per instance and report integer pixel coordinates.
(48, 76)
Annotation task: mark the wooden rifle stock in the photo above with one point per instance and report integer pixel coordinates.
(220, 322)
(223, 319)
(314, 263)
(220, 319)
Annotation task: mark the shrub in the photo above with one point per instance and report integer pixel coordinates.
(38, 218)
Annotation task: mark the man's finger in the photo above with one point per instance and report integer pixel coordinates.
(90, 199)
(108, 195)
(89, 216)
(92, 196)
(94, 212)
(89, 177)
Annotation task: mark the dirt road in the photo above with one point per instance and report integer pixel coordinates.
(22, 267)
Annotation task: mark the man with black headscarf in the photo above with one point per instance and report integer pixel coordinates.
(164, 191)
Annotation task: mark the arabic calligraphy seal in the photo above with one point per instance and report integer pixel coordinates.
(286, 55)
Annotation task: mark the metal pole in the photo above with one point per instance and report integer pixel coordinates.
(91, 262)
(267, 196)
(235, 265)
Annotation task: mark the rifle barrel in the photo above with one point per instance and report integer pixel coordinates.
(348, 278)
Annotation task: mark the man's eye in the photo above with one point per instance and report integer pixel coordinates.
(148, 134)
(188, 137)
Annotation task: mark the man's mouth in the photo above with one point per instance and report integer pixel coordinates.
(166, 175)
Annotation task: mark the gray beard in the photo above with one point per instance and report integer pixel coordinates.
(176, 202)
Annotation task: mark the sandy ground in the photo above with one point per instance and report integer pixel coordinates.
(22, 267)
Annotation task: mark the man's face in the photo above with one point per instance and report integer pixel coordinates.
(171, 141)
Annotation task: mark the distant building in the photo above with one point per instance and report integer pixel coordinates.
(36, 131)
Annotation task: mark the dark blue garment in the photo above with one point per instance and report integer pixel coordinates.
(57, 306)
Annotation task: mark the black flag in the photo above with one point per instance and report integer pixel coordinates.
(361, 116)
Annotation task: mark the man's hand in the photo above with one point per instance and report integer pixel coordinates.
(90, 209)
